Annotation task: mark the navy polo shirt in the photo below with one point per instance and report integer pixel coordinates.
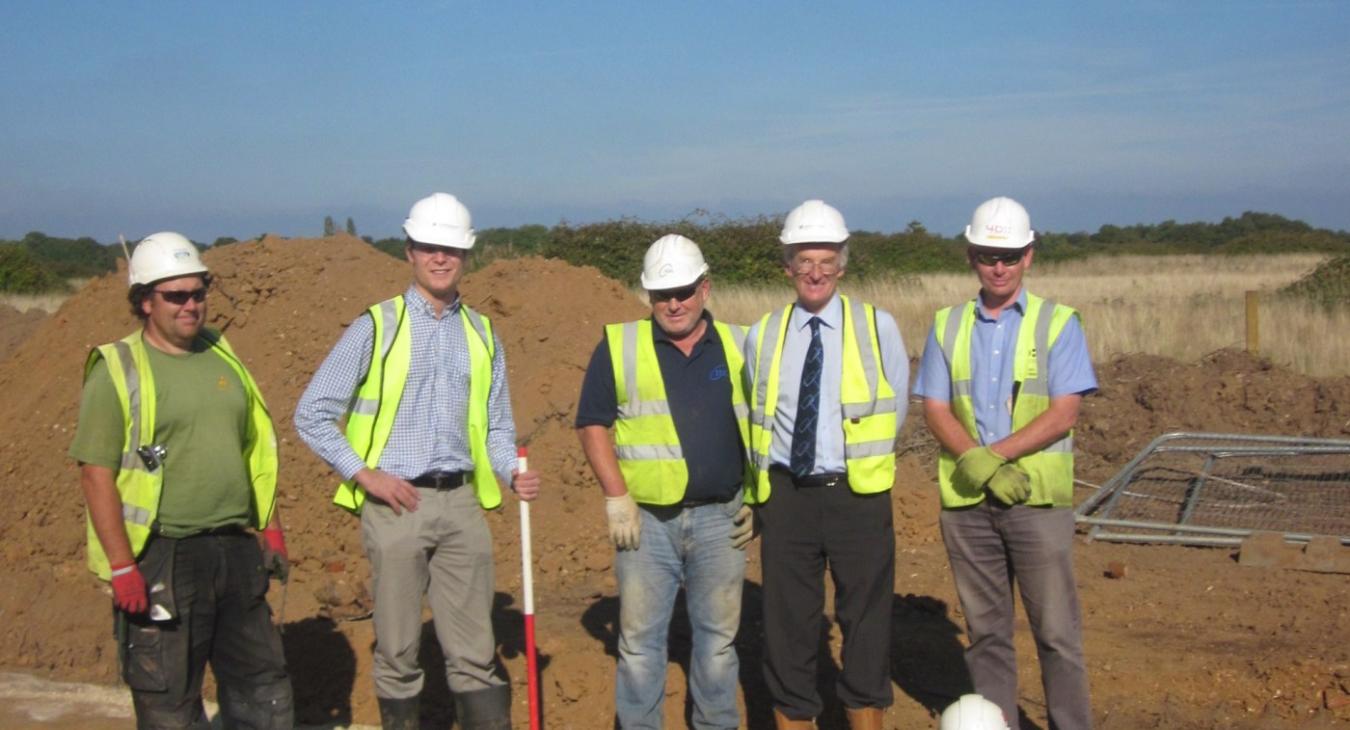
(698, 388)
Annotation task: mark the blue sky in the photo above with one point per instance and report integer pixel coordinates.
(237, 118)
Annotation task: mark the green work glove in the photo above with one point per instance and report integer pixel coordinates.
(743, 527)
(978, 465)
(1010, 485)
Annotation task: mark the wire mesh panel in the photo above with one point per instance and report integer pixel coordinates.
(1214, 489)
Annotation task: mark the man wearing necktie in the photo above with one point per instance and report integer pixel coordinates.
(827, 382)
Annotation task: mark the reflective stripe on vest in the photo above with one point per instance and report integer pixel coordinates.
(1051, 468)
(867, 401)
(137, 486)
(370, 420)
(645, 440)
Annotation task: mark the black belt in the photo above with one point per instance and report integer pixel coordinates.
(440, 480)
(703, 502)
(814, 480)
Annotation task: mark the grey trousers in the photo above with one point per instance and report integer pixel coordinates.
(442, 550)
(991, 546)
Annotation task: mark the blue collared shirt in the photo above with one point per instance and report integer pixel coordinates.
(830, 427)
(429, 432)
(991, 367)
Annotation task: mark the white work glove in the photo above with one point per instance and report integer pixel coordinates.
(625, 524)
(743, 527)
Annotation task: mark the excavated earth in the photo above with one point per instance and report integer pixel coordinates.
(1187, 639)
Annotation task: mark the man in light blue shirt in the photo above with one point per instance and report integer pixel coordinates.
(1002, 379)
(828, 377)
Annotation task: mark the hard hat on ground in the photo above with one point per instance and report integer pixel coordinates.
(972, 712)
(1000, 223)
(672, 262)
(814, 221)
(164, 255)
(440, 220)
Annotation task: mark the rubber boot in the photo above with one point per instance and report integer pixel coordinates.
(864, 718)
(484, 709)
(783, 722)
(399, 714)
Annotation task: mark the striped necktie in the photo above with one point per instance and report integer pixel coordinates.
(808, 406)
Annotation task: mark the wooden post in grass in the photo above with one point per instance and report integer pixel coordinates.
(1253, 323)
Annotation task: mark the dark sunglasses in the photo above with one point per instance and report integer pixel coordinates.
(1007, 258)
(681, 294)
(181, 297)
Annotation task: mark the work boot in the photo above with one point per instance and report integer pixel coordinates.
(864, 718)
(783, 722)
(399, 714)
(484, 709)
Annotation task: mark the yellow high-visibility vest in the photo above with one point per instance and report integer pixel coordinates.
(139, 486)
(1051, 468)
(371, 418)
(645, 440)
(867, 401)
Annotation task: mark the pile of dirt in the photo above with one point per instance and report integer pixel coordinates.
(16, 326)
(283, 303)
(1327, 285)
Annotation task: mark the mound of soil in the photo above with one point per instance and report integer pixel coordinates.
(283, 303)
(1327, 285)
(16, 326)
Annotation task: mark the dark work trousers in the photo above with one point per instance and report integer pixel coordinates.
(805, 530)
(220, 615)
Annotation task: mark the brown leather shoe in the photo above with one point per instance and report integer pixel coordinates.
(783, 722)
(865, 718)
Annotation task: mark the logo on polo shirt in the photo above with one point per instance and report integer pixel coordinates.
(718, 373)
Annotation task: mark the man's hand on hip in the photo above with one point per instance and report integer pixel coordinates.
(1010, 485)
(978, 465)
(743, 527)
(128, 585)
(395, 492)
(525, 484)
(625, 524)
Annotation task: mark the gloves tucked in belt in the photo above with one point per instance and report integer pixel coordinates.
(1010, 485)
(625, 524)
(977, 466)
(275, 558)
(129, 592)
(743, 527)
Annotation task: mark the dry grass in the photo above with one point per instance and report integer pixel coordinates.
(46, 302)
(1182, 307)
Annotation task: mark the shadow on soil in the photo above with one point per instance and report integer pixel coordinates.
(926, 654)
(323, 666)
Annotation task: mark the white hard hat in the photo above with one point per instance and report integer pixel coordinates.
(164, 255)
(672, 262)
(1000, 223)
(440, 220)
(972, 712)
(814, 221)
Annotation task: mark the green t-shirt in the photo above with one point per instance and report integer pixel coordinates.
(201, 419)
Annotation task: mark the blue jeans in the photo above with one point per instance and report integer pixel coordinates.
(689, 546)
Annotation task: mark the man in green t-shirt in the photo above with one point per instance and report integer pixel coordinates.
(177, 461)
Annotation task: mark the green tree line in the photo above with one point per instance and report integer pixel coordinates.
(740, 249)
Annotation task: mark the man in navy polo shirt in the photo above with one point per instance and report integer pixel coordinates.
(673, 475)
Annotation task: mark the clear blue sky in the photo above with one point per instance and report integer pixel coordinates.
(242, 117)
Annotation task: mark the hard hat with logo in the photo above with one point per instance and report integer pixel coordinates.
(1000, 223)
(440, 220)
(972, 712)
(671, 262)
(814, 221)
(164, 255)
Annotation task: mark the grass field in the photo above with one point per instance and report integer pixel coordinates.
(1181, 307)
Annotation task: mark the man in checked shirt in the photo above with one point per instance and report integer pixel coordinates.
(421, 380)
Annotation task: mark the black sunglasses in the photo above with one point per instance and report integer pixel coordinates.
(681, 294)
(180, 297)
(1007, 258)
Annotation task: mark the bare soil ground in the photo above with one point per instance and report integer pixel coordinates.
(16, 326)
(1188, 639)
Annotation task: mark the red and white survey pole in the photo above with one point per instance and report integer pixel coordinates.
(527, 583)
